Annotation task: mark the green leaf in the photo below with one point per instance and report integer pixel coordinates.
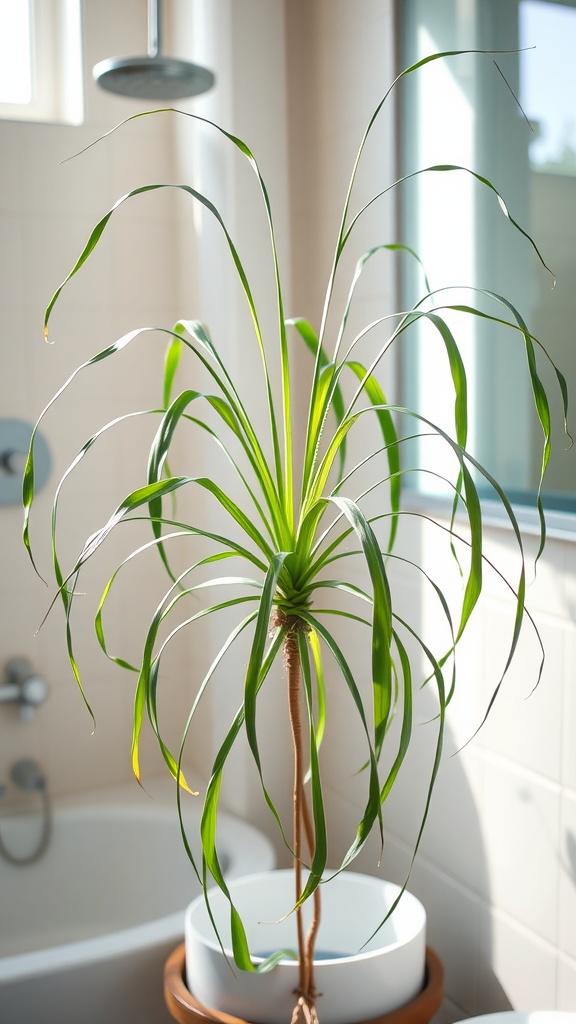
(382, 662)
(320, 686)
(378, 399)
(171, 363)
(256, 659)
(28, 490)
(318, 409)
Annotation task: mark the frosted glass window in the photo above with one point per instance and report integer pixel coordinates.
(41, 61)
(15, 52)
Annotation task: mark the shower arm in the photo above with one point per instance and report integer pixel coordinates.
(153, 77)
(154, 28)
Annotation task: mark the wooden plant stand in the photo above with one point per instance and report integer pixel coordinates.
(184, 1009)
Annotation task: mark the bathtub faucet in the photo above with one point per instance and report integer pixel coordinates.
(27, 775)
(23, 687)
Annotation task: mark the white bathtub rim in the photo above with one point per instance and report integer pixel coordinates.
(74, 954)
(141, 936)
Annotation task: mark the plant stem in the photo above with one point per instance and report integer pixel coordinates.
(302, 820)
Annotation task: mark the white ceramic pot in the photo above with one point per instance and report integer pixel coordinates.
(356, 981)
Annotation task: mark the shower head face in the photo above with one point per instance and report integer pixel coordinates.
(152, 78)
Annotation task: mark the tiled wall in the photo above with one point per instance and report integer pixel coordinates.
(47, 210)
(496, 866)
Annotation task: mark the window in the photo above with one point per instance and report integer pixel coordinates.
(41, 61)
(548, 83)
(15, 52)
(461, 111)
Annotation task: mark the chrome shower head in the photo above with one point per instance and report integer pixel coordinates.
(153, 77)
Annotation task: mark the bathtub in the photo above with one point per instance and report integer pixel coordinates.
(85, 931)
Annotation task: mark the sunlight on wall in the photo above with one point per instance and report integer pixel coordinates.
(444, 209)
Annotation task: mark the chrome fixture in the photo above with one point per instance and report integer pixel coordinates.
(23, 687)
(27, 775)
(154, 77)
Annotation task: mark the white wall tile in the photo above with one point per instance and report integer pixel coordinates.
(525, 723)
(566, 984)
(545, 583)
(454, 930)
(12, 286)
(142, 153)
(520, 828)
(142, 265)
(569, 562)
(66, 187)
(453, 835)
(524, 967)
(18, 349)
(567, 870)
(10, 171)
(98, 756)
(453, 838)
(448, 1013)
(569, 733)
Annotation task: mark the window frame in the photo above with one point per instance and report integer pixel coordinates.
(56, 65)
(561, 504)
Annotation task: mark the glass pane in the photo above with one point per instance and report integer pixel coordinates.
(548, 97)
(534, 167)
(548, 83)
(15, 52)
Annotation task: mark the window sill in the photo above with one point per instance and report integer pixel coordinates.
(559, 525)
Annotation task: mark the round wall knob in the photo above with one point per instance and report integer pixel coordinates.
(14, 443)
(34, 690)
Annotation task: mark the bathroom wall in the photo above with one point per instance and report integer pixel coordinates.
(47, 211)
(145, 271)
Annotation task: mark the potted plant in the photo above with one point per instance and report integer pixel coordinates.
(300, 543)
